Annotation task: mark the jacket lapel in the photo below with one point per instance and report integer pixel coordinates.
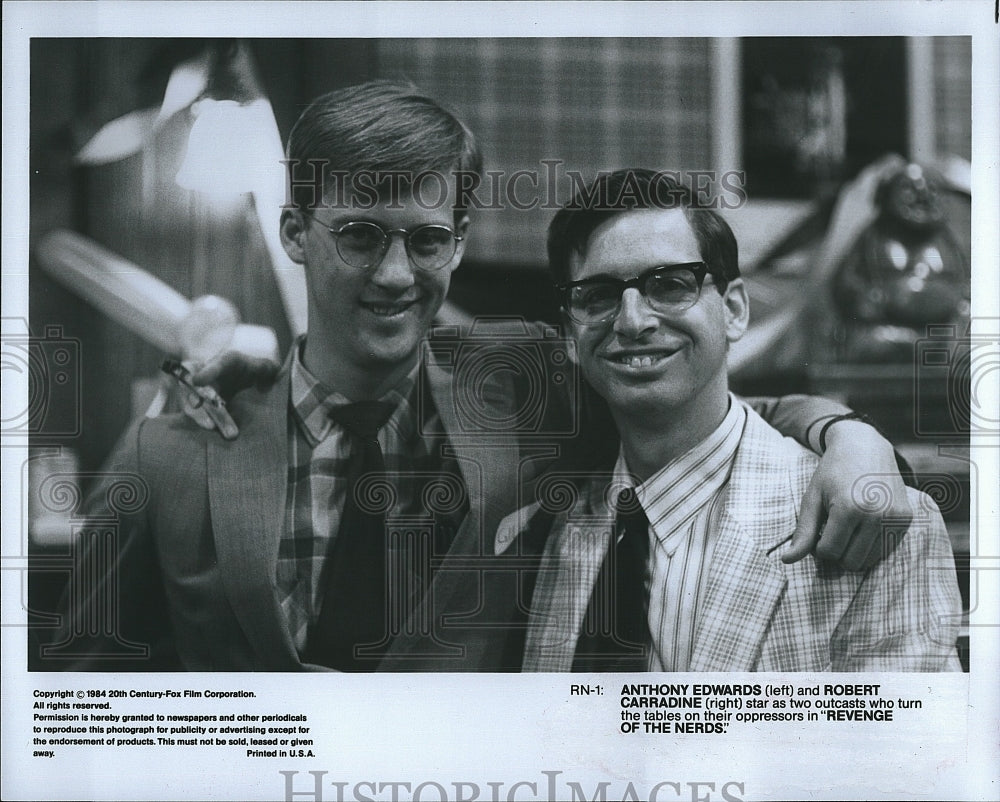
(746, 581)
(571, 561)
(744, 586)
(247, 481)
(489, 461)
(490, 464)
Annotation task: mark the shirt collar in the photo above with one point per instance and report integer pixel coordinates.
(311, 401)
(682, 487)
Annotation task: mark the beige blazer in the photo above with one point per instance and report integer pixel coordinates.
(759, 614)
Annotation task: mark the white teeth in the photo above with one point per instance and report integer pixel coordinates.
(636, 361)
(387, 311)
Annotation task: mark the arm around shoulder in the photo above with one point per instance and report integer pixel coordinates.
(797, 416)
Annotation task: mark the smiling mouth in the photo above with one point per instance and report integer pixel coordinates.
(388, 310)
(639, 361)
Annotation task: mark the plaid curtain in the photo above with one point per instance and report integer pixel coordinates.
(594, 104)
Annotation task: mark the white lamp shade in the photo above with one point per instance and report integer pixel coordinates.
(232, 148)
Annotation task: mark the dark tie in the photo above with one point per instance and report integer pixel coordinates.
(615, 633)
(351, 633)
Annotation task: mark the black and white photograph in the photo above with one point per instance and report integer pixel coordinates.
(455, 348)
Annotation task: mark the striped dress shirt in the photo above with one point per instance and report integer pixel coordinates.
(751, 611)
(679, 501)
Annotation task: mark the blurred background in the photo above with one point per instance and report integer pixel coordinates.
(848, 165)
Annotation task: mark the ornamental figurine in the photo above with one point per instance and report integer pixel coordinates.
(905, 271)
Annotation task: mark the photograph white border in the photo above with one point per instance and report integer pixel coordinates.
(477, 730)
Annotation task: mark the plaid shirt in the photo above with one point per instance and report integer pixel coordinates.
(320, 452)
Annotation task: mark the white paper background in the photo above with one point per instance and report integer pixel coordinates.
(477, 729)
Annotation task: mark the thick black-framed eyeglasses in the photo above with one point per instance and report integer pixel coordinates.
(669, 289)
(363, 244)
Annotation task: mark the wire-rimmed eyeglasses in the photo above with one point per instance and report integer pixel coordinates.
(669, 289)
(363, 244)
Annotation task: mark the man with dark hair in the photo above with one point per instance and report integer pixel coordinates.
(625, 190)
(670, 560)
(350, 525)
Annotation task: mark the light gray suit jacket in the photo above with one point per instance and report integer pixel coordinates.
(759, 614)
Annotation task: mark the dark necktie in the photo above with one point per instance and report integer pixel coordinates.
(351, 633)
(615, 633)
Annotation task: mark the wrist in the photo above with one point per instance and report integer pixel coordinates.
(842, 427)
